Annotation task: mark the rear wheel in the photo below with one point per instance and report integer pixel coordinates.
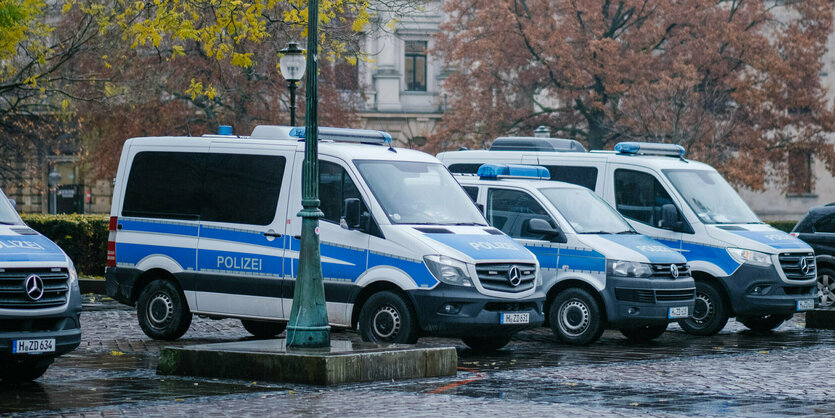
(826, 287)
(162, 311)
(482, 344)
(22, 371)
(764, 323)
(710, 313)
(576, 317)
(263, 329)
(644, 333)
(386, 318)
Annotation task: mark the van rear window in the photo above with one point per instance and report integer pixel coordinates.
(165, 185)
(581, 176)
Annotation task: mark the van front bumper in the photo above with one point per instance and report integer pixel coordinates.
(757, 291)
(639, 302)
(473, 314)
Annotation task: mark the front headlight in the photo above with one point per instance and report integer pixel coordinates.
(750, 256)
(73, 273)
(448, 270)
(628, 268)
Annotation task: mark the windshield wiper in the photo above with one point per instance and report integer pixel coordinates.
(7, 223)
(626, 232)
(594, 232)
(467, 224)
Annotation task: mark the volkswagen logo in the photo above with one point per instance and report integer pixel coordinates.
(674, 271)
(33, 285)
(514, 277)
(805, 267)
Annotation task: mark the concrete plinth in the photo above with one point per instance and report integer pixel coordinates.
(344, 362)
(820, 319)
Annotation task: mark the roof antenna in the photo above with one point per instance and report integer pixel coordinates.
(188, 128)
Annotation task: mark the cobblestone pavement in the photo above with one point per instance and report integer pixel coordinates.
(734, 373)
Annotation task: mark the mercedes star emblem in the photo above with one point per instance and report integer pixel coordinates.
(514, 277)
(33, 285)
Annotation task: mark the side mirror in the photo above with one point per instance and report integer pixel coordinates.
(351, 214)
(542, 227)
(480, 208)
(669, 217)
(14, 204)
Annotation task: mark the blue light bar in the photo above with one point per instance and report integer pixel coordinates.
(650, 148)
(493, 171)
(224, 130)
(346, 135)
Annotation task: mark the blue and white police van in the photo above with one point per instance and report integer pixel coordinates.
(742, 266)
(597, 271)
(209, 226)
(40, 301)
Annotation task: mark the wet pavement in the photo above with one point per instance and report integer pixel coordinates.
(735, 373)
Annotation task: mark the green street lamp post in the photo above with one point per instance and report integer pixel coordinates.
(308, 326)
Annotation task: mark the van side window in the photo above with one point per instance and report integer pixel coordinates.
(581, 176)
(165, 185)
(640, 196)
(242, 188)
(472, 192)
(512, 211)
(335, 185)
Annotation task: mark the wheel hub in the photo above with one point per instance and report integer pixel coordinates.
(703, 310)
(574, 317)
(826, 290)
(160, 310)
(386, 323)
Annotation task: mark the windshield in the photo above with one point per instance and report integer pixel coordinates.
(712, 199)
(8, 215)
(586, 212)
(419, 193)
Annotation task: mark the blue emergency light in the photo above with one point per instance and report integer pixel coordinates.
(650, 148)
(346, 135)
(494, 171)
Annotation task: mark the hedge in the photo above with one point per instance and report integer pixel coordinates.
(82, 237)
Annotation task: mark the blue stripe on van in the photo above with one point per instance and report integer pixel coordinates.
(716, 255)
(257, 264)
(574, 262)
(653, 250)
(356, 257)
(237, 236)
(158, 227)
(547, 256)
(484, 247)
(415, 269)
(134, 253)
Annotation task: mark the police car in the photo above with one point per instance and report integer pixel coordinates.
(209, 226)
(742, 266)
(40, 301)
(597, 271)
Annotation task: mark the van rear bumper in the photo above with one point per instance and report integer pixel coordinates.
(119, 283)
(633, 302)
(756, 291)
(475, 315)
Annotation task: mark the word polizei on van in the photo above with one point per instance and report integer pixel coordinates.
(742, 266)
(208, 226)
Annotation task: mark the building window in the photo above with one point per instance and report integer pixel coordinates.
(416, 65)
(800, 172)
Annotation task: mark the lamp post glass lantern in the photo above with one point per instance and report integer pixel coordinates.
(292, 64)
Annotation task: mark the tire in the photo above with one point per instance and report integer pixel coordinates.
(387, 318)
(162, 311)
(22, 372)
(263, 329)
(645, 333)
(710, 313)
(826, 287)
(575, 317)
(484, 344)
(763, 324)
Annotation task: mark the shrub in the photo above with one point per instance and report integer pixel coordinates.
(785, 226)
(82, 237)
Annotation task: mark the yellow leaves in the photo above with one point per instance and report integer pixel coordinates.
(242, 60)
(65, 104)
(117, 353)
(196, 89)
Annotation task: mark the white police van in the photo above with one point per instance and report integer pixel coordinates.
(209, 226)
(597, 271)
(40, 301)
(742, 266)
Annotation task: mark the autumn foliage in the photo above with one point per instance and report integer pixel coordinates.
(736, 82)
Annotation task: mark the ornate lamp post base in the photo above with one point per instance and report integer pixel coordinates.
(308, 327)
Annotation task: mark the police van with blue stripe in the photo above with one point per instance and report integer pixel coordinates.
(598, 272)
(742, 266)
(209, 226)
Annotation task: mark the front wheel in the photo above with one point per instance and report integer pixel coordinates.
(386, 318)
(263, 329)
(645, 333)
(710, 313)
(162, 311)
(576, 317)
(764, 323)
(22, 372)
(483, 344)
(826, 287)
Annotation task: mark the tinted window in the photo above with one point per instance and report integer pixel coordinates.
(335, 185)
(512, 210)
(640, 196)
(464, 168)
(826, 224)
(472, 192)
(242, 188)
(164, 185)
(583, 176)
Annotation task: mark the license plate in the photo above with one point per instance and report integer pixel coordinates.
(44, 345)
(516, 318)
(678, 312)
(805, 304)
